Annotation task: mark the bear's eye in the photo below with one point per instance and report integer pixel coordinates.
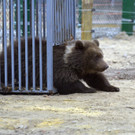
(98, 56)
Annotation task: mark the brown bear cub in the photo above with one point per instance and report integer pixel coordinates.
(78, 66)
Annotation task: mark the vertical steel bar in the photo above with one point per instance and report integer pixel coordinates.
(64, 20)
(57, 21)
(23, 19)
(74, 17)
(61, 21)
(19, 43)
(49, 46)
(26, 47)
(44, 18)
(60, 31)
(33, 42)
(64, 9)
(58, 18)
(36, 17)
(9, 22)
(59, 24)
(30, 13)
(54, 38)
(5, 41)
(40, 44)
(53, 24)
(68, 20)
(17, 18)
(12, 41)
(71, 13)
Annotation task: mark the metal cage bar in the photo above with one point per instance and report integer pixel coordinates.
(44, 23)
(26, 46)
(40, 44)
(12, 42)
(5, 42)
(36, 17)
(33, 43)
(49, 46)
(19, 43)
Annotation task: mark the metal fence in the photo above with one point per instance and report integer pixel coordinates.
(53, 20)
(107, 18)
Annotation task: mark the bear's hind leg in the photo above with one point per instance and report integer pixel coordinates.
(74, 87)
(80, 87)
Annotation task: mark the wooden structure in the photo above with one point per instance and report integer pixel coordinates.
(87, 6)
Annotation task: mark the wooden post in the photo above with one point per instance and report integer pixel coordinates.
(86, 19)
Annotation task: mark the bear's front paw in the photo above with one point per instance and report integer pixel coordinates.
(112, 89)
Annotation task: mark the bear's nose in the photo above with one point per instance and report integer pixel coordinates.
(106, 67)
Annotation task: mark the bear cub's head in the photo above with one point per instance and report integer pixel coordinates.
(85, 56)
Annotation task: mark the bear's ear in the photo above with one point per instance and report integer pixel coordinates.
(79, 45)
(96, 42)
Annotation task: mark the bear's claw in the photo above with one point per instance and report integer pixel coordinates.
(112, 89)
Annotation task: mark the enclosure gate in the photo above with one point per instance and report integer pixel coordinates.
(50, 19)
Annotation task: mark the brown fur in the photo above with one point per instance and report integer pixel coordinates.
(85, 61)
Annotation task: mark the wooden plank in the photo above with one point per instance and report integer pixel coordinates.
(86, 19)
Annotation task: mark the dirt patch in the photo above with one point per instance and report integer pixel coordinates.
(121, 74)
(101, 113)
